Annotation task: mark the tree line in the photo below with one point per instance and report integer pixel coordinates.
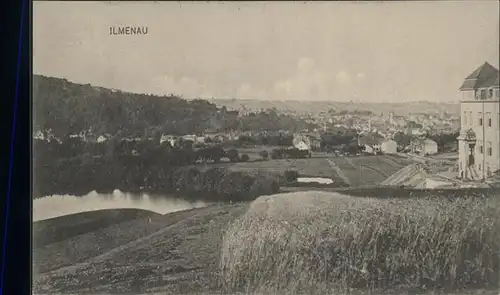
(68, 108)
(77, 167)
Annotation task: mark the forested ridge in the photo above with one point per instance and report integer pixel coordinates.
(68, 108)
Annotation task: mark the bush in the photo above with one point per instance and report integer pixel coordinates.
(291, 175)
(232, 155)
(319, 243)
(244, 158)
(295, 153)
(277, 154)
(264, 155)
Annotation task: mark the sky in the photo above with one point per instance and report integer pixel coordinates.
(333, 51)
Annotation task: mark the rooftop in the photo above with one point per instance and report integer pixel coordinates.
(370, 139)
(484, 76)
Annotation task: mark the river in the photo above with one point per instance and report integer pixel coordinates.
(59, 205)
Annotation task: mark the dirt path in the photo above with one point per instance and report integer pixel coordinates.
(391, 161)
(374, 170)
(350, 162)
(339, 171)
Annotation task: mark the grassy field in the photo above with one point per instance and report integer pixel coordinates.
(360, 171)
(369, 170)
(319, 243)
(58, 229)
(176, 253)
(314, 167)
(180, 253)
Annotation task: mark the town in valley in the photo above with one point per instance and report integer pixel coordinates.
(350, 135)
(266, 148)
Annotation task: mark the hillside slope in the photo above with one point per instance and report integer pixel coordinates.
(173, 253)
(177, 253)
(66, 107)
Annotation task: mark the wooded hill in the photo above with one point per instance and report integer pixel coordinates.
(68, 108)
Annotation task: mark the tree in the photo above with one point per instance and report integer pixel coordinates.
(264, 154)
(216, 153)
(402, 139)
(232, 155)
(352, 149)
(277, 154)
(245, 158)
(291, 175)
(69, 108)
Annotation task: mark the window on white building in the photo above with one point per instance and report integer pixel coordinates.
(484, 93)
(480, 115)
(470, 119)
(489, 149)
(480, 149)
(488, 116)
(465, 118)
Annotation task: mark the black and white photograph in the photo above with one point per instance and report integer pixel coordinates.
(266, 148)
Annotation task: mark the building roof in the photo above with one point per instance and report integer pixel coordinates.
(484, 76)
(370, 139)
(389, 141)
(423, 141)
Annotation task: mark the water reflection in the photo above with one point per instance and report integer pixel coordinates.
(59, 205)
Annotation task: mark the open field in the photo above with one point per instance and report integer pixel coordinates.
(356, 171)
(369, 170)
(177, 253)
(313, 167)
(446, 156)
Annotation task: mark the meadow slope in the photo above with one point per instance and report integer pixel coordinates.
(181, 252)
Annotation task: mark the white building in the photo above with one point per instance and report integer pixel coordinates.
(371, 142)
(389, 147)
(301, 142)
(424, 147)
(101, 138)
(479, 140)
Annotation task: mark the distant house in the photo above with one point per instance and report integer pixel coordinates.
(389, 147)
(91, 138)
(101, 138)
(371, 142)
(398, 121)
(200, 139)
(415, 131)
(218, 137)
(301, 142)
(171, 139)
(424, 146)
(314, 140)
(189, 137)
(233, 136)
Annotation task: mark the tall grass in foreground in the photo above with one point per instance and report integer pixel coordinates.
(316, 242)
